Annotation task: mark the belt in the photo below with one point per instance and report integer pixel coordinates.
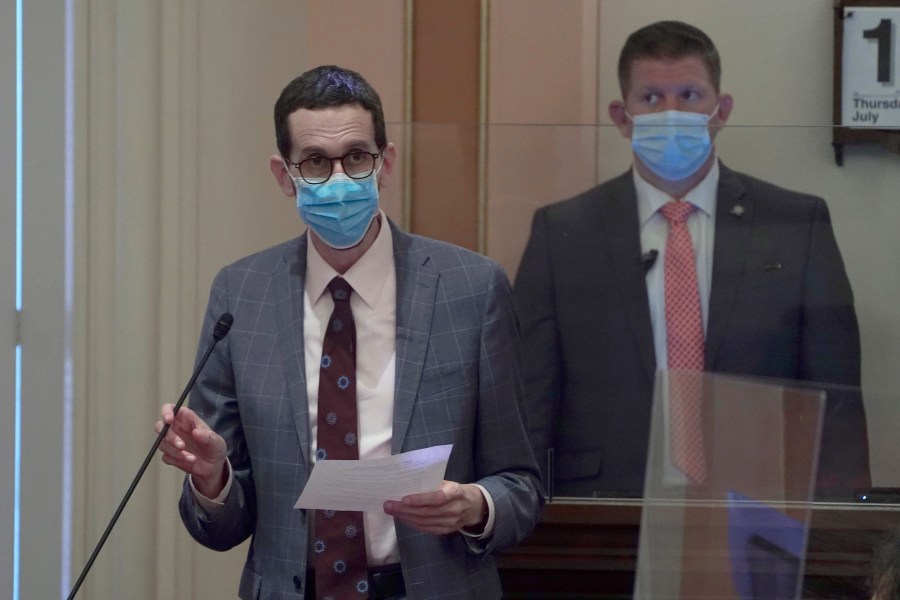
(385, 582)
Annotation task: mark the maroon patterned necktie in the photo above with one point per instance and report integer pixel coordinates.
(685, 344)
(340, 547)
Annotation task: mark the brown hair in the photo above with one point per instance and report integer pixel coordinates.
(324, 87)
(668, 40)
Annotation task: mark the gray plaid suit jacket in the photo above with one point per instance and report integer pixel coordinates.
(458, 380)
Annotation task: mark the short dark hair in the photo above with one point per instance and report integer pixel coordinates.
(668, 40)
(325, 87)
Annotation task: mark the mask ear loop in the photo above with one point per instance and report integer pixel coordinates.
(287, 169)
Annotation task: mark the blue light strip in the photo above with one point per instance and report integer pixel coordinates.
(69, 268)
(18, 154)
(17, 506)
(18, 475)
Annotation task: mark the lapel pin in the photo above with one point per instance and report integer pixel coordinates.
(737, 210)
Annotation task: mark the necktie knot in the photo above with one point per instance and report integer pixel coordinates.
(340, 289)
(677, 212)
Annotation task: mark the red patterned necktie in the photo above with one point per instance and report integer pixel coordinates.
(685, 345)
(340, 547)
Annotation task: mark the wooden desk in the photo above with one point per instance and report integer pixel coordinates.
(589, 548)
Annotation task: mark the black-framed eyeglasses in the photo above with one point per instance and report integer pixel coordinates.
(357, 164)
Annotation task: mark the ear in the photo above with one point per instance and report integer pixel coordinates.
(282, 176)
(726, 103)
(387, 167)
(617, 114)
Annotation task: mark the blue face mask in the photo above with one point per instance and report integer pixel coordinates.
(673, 144)
(339, 210)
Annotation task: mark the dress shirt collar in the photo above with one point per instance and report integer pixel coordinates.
(650, 199)
(366, 276)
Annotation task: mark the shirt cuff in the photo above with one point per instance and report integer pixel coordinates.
(215, 505)
(489, 526)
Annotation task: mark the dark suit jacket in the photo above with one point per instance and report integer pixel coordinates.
(458, 380)
(780, 306)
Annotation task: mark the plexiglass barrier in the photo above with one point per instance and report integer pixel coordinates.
(729, 517)
(782, 506)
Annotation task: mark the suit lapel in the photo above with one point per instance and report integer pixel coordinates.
(734, 224)
(288, 282)
(619, 219)
(416, 288)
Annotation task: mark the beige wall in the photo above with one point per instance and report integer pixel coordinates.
(174, 131)
(542, 138)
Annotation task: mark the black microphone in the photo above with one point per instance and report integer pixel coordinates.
(223, 325)
(221, 329)
(648, 259)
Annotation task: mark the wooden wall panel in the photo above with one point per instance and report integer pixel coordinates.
(445, 112)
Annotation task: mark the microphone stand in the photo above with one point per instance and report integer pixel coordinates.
(221, 330)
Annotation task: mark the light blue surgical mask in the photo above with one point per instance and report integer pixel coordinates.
(673, 144)
(340, 210)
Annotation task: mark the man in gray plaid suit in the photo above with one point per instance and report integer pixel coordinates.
(437, 363)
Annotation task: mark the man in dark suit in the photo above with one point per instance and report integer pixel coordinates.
(590, 292)
(437, 362)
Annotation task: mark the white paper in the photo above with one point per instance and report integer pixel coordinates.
(367, 484)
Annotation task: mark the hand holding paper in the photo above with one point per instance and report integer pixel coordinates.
(368, 484)
(455, 507)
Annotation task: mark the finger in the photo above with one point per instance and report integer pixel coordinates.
(170, 436)
(437, 498)
(177, 457)
(424, 514)
(184, 426)
(174, 442)
(183, 461)
(174, 452)
(174, 455)
(437, 525)
(448, 491)
(170, 442)
(168, 414)
(209, 443)
(442, 519)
